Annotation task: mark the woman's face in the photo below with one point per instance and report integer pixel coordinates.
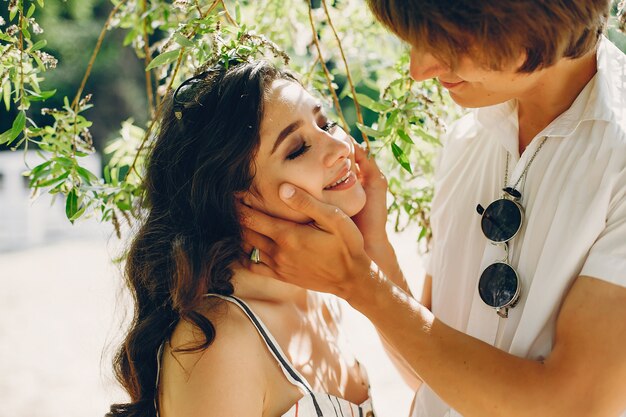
(301, 146)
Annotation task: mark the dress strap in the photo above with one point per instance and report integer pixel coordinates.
(288, 369)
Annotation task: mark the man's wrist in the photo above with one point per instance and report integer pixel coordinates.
(366, 285)
(385, 257)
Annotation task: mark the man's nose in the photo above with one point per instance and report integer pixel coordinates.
(424, 66)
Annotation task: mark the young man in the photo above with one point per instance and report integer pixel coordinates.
(525, 313)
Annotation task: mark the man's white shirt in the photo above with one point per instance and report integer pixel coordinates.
(574, 198)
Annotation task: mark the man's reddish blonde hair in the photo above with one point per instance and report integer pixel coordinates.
(495, 32)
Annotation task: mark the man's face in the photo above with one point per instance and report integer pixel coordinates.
(472, 85)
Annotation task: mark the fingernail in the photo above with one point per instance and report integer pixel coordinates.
(287, 191)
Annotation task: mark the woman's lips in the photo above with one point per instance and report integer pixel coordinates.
(344, 185)
(450, 86)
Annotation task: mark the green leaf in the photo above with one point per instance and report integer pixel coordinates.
(428, 138)
(372, 132)
(40, 2)
(78, 213)
(64, 161)
(41, 96)
(128, 39)
(71, 205)
(86, 175)
(37, 170)
(107, 174)
(369, 103)
(163, 59)
(182, 40)
(123, 205)
(18, 126)
(30, 12)
(392, 118)
(401, 157)
(403, 135)
(38, 45)
(12, 13)
(238, 13)
(53, 181)
(6, 92)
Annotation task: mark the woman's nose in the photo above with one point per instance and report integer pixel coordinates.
(424, 66)
(336, 150)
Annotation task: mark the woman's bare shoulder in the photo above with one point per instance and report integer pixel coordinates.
(226, 378)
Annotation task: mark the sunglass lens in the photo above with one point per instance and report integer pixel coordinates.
(499, 285)
(501, 220)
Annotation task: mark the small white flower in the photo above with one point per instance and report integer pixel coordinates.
(12, 30)
(36, 28)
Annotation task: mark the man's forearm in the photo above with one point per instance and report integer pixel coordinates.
(473, 377)
(383, 254)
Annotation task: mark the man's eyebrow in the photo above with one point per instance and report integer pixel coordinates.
(292, 128)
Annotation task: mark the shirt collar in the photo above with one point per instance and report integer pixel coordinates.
(501, 121)
(603, 98)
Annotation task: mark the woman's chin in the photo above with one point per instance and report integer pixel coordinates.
(353, 205)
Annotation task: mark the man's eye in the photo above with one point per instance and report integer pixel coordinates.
(328, 126)
(302, 149)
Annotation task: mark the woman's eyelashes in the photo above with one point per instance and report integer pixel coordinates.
(298, 152)
(328, 126)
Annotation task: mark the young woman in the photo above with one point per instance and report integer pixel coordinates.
(209, 338)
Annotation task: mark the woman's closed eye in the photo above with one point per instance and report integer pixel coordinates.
(298, 152)
(328, 126)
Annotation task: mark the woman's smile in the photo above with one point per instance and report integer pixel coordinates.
(345, 182)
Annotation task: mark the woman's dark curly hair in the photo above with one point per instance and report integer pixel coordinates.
(203, 155)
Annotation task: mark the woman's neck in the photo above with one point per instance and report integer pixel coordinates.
(251, 286)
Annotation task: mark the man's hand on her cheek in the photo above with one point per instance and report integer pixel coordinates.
(372, 219)
(327, 257)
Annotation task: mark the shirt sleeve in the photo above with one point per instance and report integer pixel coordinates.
(607, 257)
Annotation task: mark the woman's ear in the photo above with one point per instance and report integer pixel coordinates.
(248, 199)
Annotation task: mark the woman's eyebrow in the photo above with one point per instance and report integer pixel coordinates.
(292, 128)
(286, 132)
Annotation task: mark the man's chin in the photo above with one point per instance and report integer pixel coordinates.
(476, 102)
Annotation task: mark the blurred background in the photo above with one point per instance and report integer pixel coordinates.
(62, 305)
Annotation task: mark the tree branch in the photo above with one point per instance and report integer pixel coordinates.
(95, 53)
(148, 58)
(329, 81)
(357, 106)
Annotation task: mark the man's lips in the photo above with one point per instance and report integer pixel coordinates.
(449, 85)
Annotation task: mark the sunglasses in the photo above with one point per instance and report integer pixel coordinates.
(499, 285)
